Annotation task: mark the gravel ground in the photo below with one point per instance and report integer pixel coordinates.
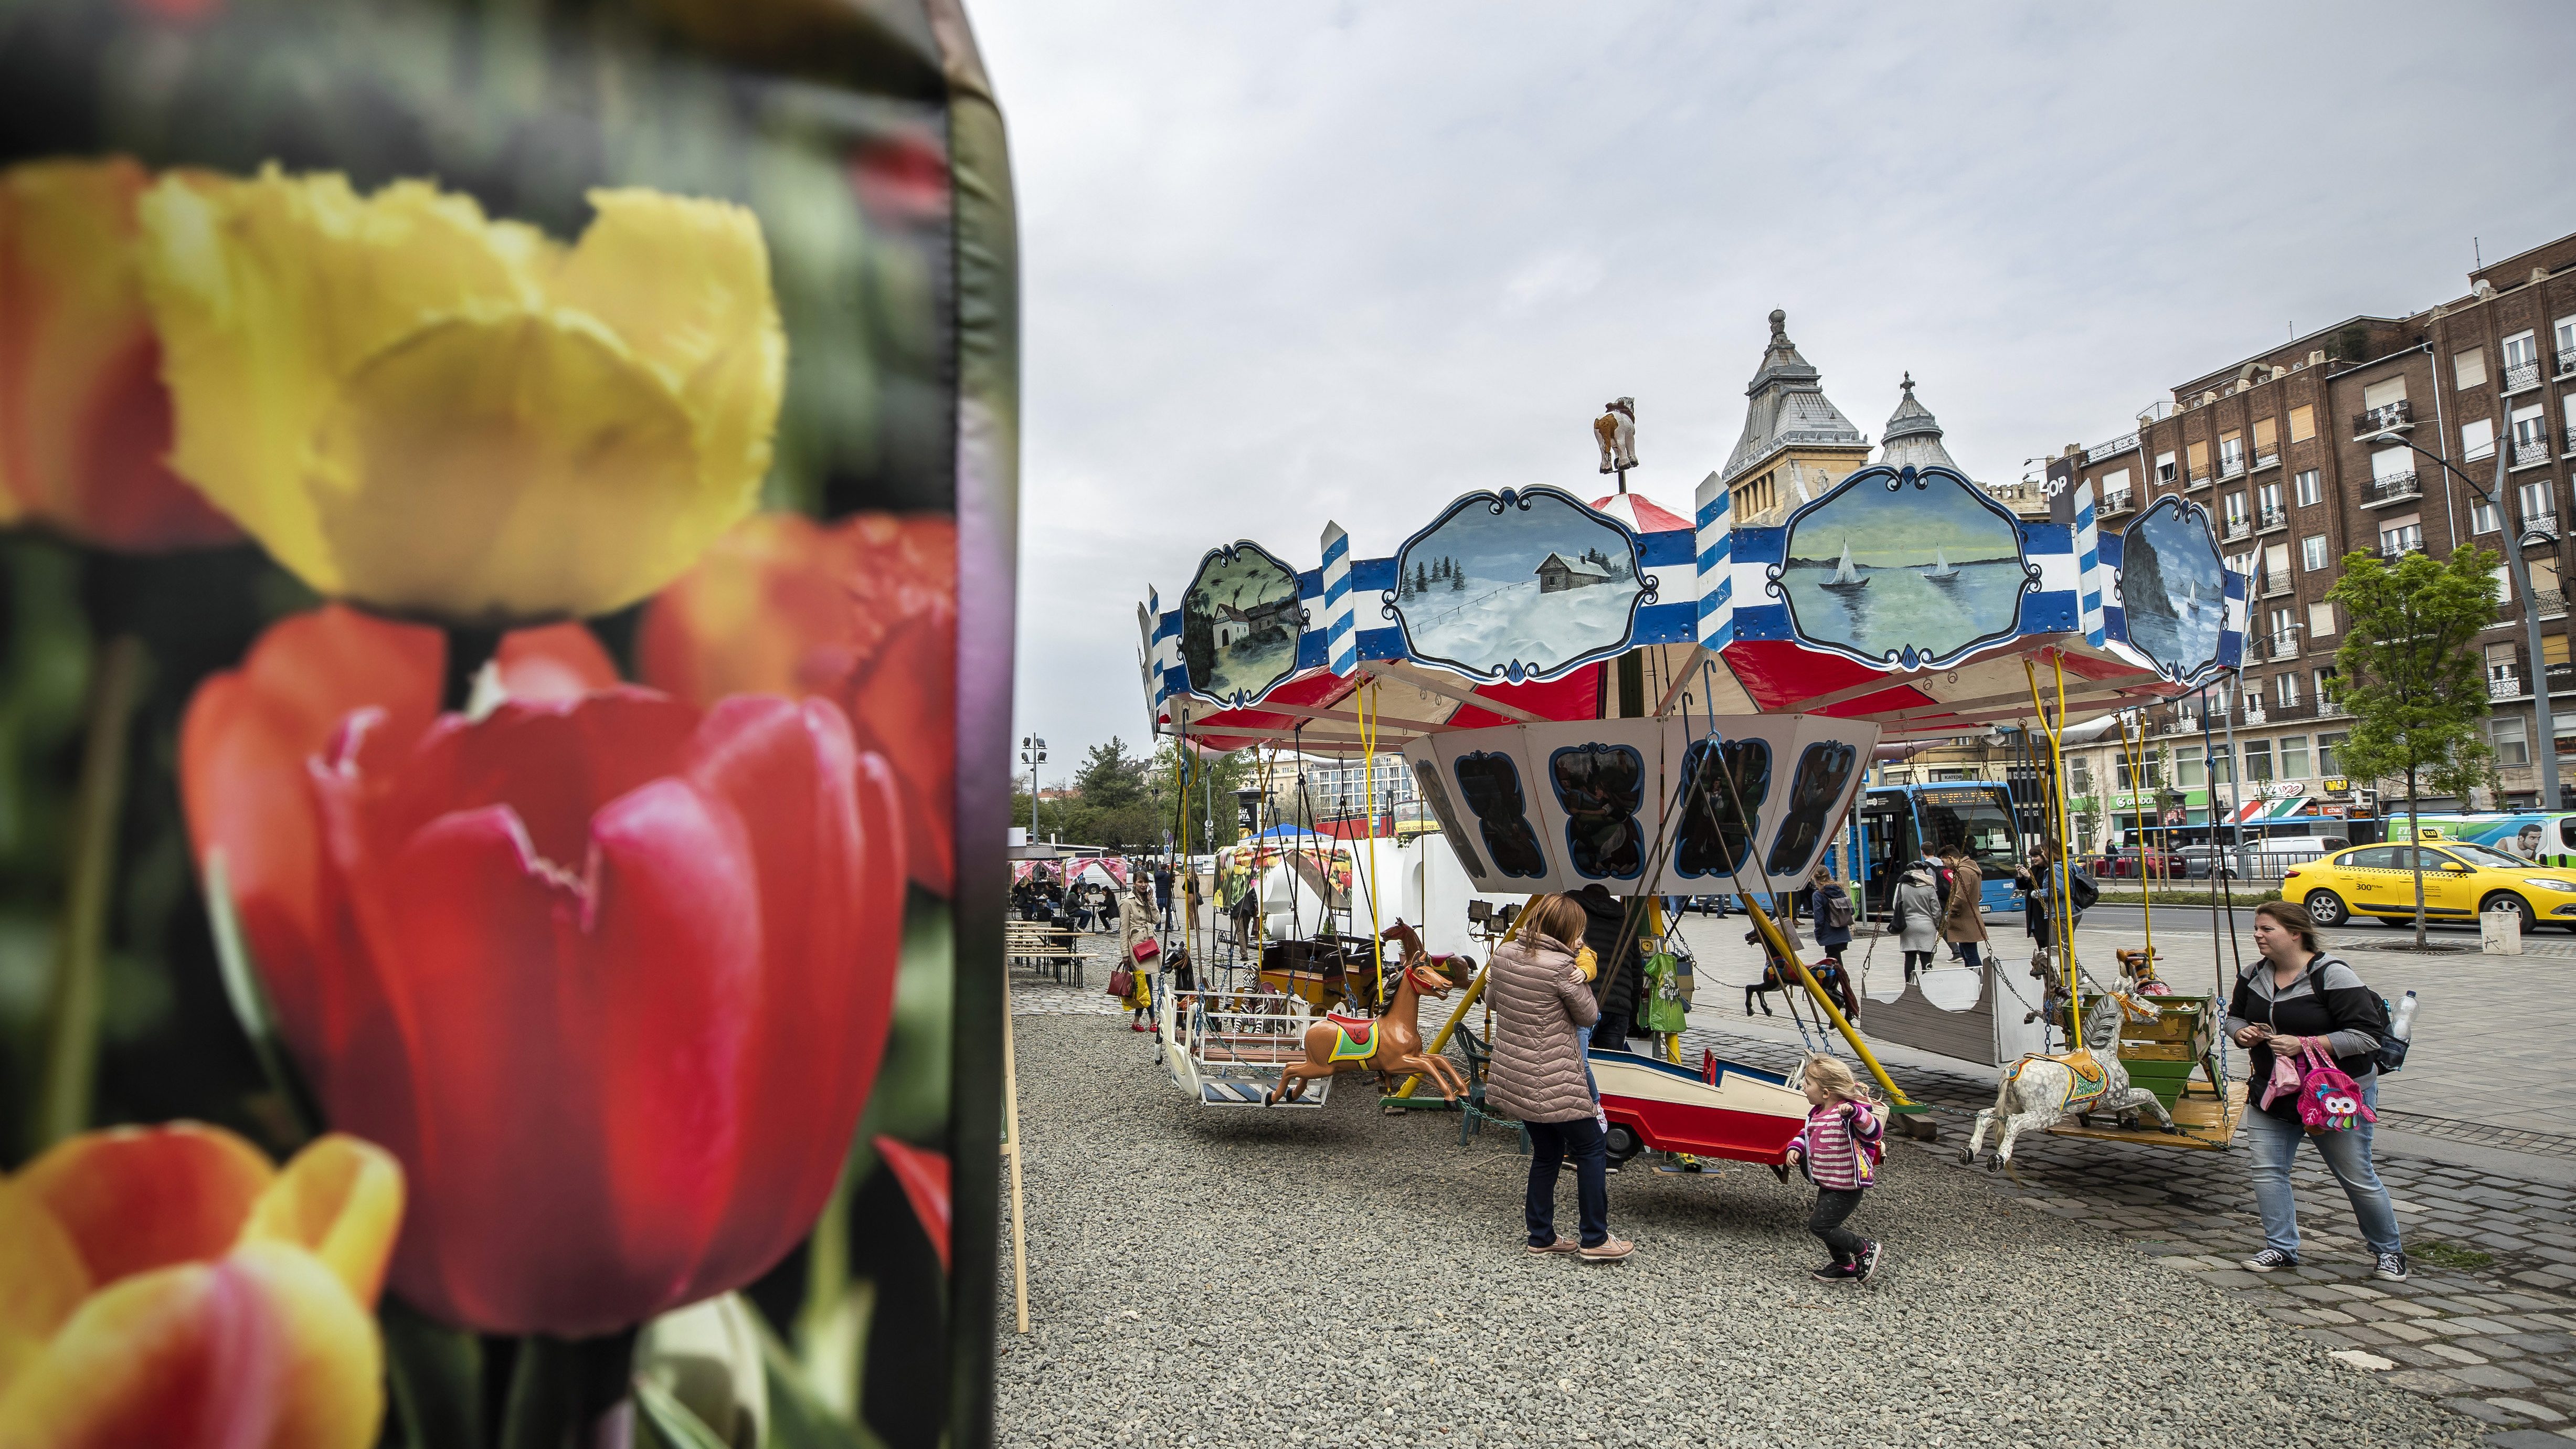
(1212, 1277)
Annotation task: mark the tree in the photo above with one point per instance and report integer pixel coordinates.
(2411, 676)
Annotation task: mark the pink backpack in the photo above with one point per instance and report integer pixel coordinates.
(2329, 1101)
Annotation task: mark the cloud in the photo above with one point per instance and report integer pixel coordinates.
(1286, 263)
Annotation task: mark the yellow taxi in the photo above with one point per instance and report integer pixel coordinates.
(2460, 880)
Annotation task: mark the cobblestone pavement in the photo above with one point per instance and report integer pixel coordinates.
(2487, 1325)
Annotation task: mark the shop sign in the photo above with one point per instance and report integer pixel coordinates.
(2334, 785)
(2281, 789)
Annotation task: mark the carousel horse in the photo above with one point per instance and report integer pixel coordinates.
(2038, 1092)
(1392, 1043)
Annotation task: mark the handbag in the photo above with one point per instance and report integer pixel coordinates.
(1146, 951)
(2284, 1082)
(1122, 983)
(2329, 1101)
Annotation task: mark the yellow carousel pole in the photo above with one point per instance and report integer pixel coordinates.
(2137, 778)
(2062, 906)
(1475, 992)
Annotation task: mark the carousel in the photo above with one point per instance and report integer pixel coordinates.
(1608, 693)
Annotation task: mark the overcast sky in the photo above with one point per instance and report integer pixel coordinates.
(1286, 262)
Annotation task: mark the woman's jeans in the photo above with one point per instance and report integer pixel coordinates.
(2347, 1155)
(1550, 1144)
(1583, 1044)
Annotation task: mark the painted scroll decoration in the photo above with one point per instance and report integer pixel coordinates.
(1905, 569)
(1241, 621)
(2173, 589)
(1518, 585)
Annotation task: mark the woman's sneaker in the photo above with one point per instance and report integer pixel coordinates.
(2392, 1268)
(2272, 1260)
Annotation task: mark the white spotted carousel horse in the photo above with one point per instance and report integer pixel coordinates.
(2038, 1092)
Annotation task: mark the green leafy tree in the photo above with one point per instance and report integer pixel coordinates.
(2411, 676)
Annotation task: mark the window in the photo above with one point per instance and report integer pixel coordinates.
(2304, 488)
(2145, 770)
(2477, 439)
(2079, 776)
(2303, 423)
(2267, 501)
(2243, 564)
(2222, 765)
(2521, 361)
(2385, 393)
(2321, 623)
(2511, 736)
(2391, 463)
(2312, 553)
(2482, 517)
(2284, 622)
(2199, 455)
(2530, 436)
(2231, 453)
(2503, 575)
(2258, 760)
(2330, 747)
(2267, 437)
(2294, 756)
(2115, 484)
(2406, 537)
(2189, 773)
(2235, 511)
(2566, 338)
(2537, 504)
(2469, 369)
(2164, 467)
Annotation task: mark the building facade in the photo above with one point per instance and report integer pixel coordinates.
(2292, 451)
(1796, 443)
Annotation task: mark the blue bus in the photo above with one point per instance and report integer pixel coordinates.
(1899, 823)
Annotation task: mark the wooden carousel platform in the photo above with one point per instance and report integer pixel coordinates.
(2208, 1123)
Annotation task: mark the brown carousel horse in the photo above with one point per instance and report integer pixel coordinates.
(1390, 1044)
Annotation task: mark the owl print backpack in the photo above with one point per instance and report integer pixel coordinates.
(2329, 1101)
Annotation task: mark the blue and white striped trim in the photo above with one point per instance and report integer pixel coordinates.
(1341, 623)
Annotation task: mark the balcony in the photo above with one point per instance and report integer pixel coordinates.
(2504, 684)
(2562, 678)
(2531, 454)
(2267, 460)
(2198, 480)
(2393, 551)
(2254, 714)
(2276, 582)
(2543, 523)
(2519, 376)
(2553, 605)
(2395, 488)
(2282, 646)
(2111, 449)
(2119, 500)
(2296, 709)
(2232, 467)
(2239, 528)
(2399, 415)
(2268, 519)
(2571, 439)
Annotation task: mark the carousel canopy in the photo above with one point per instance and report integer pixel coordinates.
(1904, 597)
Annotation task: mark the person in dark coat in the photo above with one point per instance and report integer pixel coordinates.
(1605, 929)
(1163, 892)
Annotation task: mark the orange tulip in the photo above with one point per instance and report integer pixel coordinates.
(166, 1286)
(863, 612)
(84, 418)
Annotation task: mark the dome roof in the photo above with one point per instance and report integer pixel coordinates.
(1913, 436)
(1788, 407)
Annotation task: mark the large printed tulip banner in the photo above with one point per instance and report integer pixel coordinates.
(486, 498)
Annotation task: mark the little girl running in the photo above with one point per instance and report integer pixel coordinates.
(1838, 1150)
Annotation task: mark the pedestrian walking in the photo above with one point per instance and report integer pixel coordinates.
(1918, 918)
(2294, 996)
(1536, 1075)
(1135, 935)
(1963, 922)
(1163, 891)
(1839, 1151)
(1829, 908)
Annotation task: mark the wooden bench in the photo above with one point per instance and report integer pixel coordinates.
(1048, 948)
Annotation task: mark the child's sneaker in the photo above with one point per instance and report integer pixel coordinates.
(2392, 1268)
(1835, 1273)
(2271, 1260)
(1868, 1261)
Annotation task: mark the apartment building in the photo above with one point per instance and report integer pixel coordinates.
(2293, 451)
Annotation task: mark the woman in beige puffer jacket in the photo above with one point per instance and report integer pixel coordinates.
(1536, 1076)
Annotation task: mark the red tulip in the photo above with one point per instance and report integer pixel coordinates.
(862, 612)
(84, 419)
(923, 1175)
(609, 975)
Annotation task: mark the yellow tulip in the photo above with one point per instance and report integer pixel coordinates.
(166, 1286)
(422, 409)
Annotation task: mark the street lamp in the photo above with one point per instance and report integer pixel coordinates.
(1033, 754)
(2546, 747)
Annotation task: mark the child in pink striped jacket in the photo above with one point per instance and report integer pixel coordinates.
(1839, 1151)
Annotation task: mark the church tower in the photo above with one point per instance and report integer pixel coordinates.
(1796, 444)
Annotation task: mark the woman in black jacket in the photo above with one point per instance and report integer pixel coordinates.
(2292, 995)
(1605, 929)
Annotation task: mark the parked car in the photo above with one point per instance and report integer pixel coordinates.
(2460, 882)
(2200, 862)
(2130, 862)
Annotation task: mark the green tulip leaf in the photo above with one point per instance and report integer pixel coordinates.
(251, 1005)
(436, 1373)
(797, 1417)
(663, 1422)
